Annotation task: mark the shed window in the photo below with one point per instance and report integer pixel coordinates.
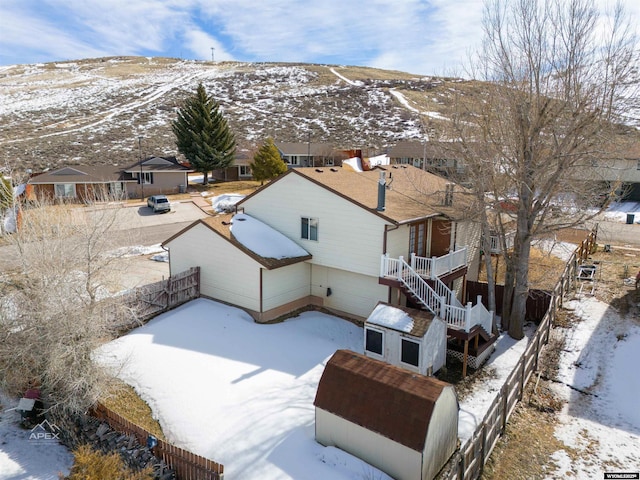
(244, 170)
(309, 228)
(410, 352)
(373, 341)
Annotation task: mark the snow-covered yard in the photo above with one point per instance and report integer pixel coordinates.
(238, 392)
(601, 358)
(25, 458)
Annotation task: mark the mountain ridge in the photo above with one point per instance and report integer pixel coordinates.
(93, 111)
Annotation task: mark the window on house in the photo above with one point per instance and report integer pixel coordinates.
(65, 190)
(147, 178)
(410, 352)
(244, 170)
(291, 159)
(309, 228)
(373, 341)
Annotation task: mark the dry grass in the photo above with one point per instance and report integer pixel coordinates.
(124, 400)
(544, 270)
(526, 446)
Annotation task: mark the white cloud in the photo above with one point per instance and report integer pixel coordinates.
(416, 36)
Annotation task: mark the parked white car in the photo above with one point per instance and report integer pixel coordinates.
(159, 203)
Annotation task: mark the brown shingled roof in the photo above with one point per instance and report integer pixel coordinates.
(412, 193)
(221, 224)
(383, 398)
(82, 174)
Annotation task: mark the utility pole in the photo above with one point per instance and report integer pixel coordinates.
(141, 175)
(212, 50)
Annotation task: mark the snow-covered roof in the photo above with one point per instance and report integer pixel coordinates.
(402, 319)
(256, 239)
(263, 240)
(355, 163)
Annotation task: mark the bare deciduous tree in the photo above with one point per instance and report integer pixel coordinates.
(556, 76)
(56, 308)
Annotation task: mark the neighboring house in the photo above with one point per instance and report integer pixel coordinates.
(239, 170)
(622, 168)
(310, 154)
(440, 157)
(360, 229)
(81, 183)
(406, 337)
(402, 423)
(157, 175)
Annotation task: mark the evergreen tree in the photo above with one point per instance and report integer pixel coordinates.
(203, 135)
(267, 162)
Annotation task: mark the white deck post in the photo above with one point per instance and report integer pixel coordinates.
(384, 264)
(400, 266)
(467, 318)
(443, 308)
(432, 274)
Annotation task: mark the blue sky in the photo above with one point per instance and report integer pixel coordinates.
(417, 36)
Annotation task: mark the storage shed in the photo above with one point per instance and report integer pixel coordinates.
(406, 337)
(403, 423)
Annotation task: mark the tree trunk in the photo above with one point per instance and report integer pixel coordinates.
(521, 290)
(507, 298)
(491, 284)
(205, 178)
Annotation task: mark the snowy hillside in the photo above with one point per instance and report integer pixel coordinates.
(93, 111)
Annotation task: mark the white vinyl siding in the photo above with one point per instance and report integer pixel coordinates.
(389, 456)
(286, 284)
(350, 292)
(229, 275)
(341, 245)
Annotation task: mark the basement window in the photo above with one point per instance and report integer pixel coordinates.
(410, 352)
(309, 228)
(373, 341)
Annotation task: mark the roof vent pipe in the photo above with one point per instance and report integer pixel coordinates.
(381, 192)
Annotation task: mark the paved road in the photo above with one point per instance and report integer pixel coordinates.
(618, 233)
(134, 225)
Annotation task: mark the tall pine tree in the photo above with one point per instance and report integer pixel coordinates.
(203, 135)
(267, 162)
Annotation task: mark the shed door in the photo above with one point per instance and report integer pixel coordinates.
(440, 237)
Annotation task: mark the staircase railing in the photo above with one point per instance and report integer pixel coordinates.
(435, 267)
(441, 300)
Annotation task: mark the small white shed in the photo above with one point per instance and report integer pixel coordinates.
(400, 422)
(406, 337)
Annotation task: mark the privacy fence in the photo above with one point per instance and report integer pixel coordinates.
(155, 298)
(467, 463)
(186, 465)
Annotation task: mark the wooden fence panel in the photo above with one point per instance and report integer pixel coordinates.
(467, 463)
(185, 464)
